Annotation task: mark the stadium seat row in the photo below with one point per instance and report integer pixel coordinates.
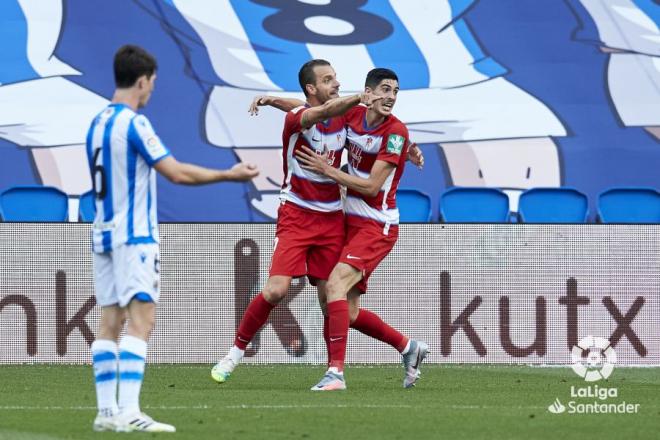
(33, 203)
(457, 205)
(536, 205)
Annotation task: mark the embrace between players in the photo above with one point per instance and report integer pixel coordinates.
(124, 154)
(337, 249)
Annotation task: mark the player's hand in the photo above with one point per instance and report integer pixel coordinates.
(415, 155)
(258, 101)
(242, 171)
(312, 161)
(368, 98)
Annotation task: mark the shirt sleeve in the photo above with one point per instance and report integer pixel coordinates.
(293, 120)
(143, 138)
(394, 145)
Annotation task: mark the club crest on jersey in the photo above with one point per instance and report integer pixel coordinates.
(395, 144)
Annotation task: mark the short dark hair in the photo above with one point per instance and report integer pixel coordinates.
(306, 73)
(131, 62)
(375, 76)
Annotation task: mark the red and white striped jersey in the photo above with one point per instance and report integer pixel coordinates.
(387, 142)
(306, 188)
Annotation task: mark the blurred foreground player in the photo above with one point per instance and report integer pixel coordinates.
(123, 150)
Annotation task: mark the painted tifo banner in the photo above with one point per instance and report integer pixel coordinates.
(504, 93)
(476, 293)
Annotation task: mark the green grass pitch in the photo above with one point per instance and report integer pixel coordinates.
(45, 402)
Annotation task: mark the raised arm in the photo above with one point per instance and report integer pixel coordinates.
(283, 104)
(336, 107)
(189, 174)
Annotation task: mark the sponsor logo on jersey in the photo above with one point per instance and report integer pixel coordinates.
(152, 145)
(395, 144)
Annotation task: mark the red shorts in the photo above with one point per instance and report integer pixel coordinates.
(366, 246)
(307, 242)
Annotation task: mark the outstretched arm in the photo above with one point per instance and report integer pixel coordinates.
(283, 104)
(189, 174)
(370, 187)
(336, 107)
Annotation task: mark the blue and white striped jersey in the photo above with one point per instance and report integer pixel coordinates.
(29, 31)
(628, 25)
(122, 149)
(260, 45)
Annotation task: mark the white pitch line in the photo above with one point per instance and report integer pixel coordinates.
(312, 406)
(242, 406)
(248, 406)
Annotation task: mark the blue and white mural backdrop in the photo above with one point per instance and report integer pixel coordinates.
(504, 93)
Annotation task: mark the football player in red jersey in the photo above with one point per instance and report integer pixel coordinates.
(378, 146)
(310, 224)
(377, 143)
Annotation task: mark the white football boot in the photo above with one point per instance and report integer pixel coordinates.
(140, 422)
(331, 381)
(223, 369)
(412, 360)
(104, 423)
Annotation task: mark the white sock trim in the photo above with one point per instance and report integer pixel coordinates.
(407, 348)
(235, 354)
(104, 345)
(134, 345)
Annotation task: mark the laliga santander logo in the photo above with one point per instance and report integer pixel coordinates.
(599, 361)
(593, 359)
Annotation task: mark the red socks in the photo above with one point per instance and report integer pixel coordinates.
(335, 328)
(254, 318)
(371, 325)
(338, 322)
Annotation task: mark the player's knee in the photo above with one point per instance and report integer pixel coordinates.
(336, 289)
(274, 293)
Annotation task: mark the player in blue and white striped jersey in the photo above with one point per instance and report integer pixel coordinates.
(124, 152)
(122, 149)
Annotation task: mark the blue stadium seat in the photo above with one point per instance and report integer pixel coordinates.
(553, 205)
(474, 205)
(87, 207)
(34, 204)
(414, 206)
(629, 205)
